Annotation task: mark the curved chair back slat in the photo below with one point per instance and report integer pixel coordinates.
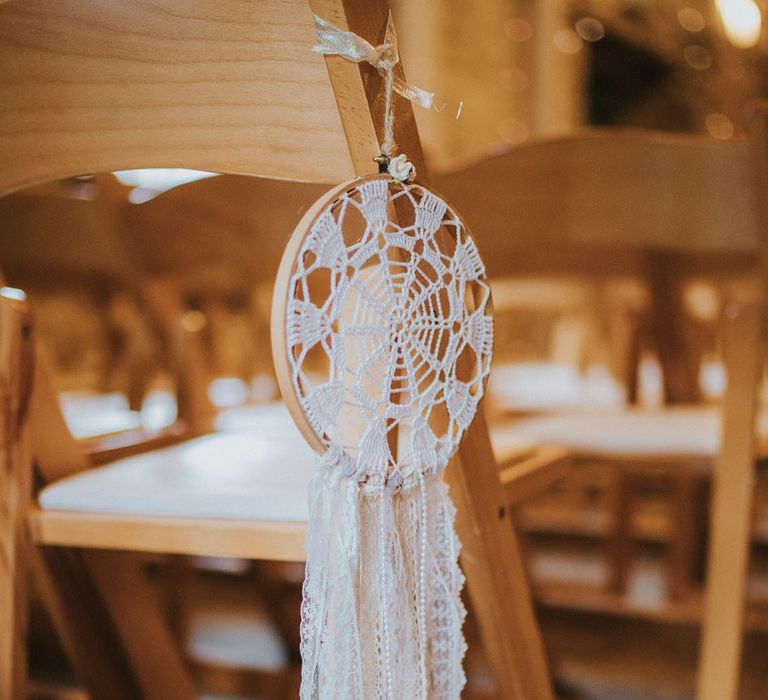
(225, 233)
(221, 85)
(632, 189)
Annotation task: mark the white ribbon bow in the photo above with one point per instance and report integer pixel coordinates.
(336, 42)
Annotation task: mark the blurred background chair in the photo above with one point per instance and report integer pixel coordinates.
(646, 192)
(115, 349)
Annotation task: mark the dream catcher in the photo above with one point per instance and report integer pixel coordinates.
(382, 339)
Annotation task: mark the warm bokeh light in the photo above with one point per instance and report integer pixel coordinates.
(697, 57)
(719, 126)
(590, 29)
(691, 19)
(518, 29)
(702, 301)
(193, 321)
(567, 41)
(741, 21)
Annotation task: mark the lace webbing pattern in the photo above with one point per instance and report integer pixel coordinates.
(389, 339)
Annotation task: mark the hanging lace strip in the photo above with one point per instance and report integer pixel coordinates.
(375, 325)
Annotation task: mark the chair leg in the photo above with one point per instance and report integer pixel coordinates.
(682, 550)
(496, 576)
(619, 542)
(15, 493)
(152, 653)
(13, 613)
(732, 500)
(82, 624)
(108, 621)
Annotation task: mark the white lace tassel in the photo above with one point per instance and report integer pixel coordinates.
(422, 583)
(385, 592)
(382, 588)
(331, 668)
(445, 608)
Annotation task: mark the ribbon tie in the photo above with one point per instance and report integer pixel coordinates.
(336, 42)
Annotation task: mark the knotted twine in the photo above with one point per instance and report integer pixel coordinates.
(336, 42)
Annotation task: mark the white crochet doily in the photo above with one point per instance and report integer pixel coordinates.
(388, 329)
(382, 338)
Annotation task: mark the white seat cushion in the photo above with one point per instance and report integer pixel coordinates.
(269, 418)
(258, 468)
(508, 442)
(261, 473)
(88, 415)
(685, 431)
(529, 387)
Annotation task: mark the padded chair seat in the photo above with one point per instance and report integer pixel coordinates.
(679, 432)
(257, 474)
(270, 418)
(532, 387)
(89, 415)
(508, 442)
(258, 469)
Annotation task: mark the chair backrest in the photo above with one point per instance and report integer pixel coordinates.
(621, 189)
(601, 202)
(215, 85)
(47, 239)
(241, 82)
(218, 235)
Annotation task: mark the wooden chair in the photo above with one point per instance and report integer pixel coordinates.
(654, 192)
(63, 236)
(248, 97)
(170, 237)
(16, 486)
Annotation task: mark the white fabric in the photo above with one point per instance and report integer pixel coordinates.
(259, 474)
(382, 610)
(267, 419)
(509, 443)
(261, 470)
(88, 414)
(552, 386)
(687, 431)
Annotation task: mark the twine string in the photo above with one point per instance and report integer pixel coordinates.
(332, 41)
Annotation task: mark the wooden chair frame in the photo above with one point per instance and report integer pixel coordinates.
(303, 132)
(16, 357)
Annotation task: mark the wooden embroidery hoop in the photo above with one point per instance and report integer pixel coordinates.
(282, 292)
